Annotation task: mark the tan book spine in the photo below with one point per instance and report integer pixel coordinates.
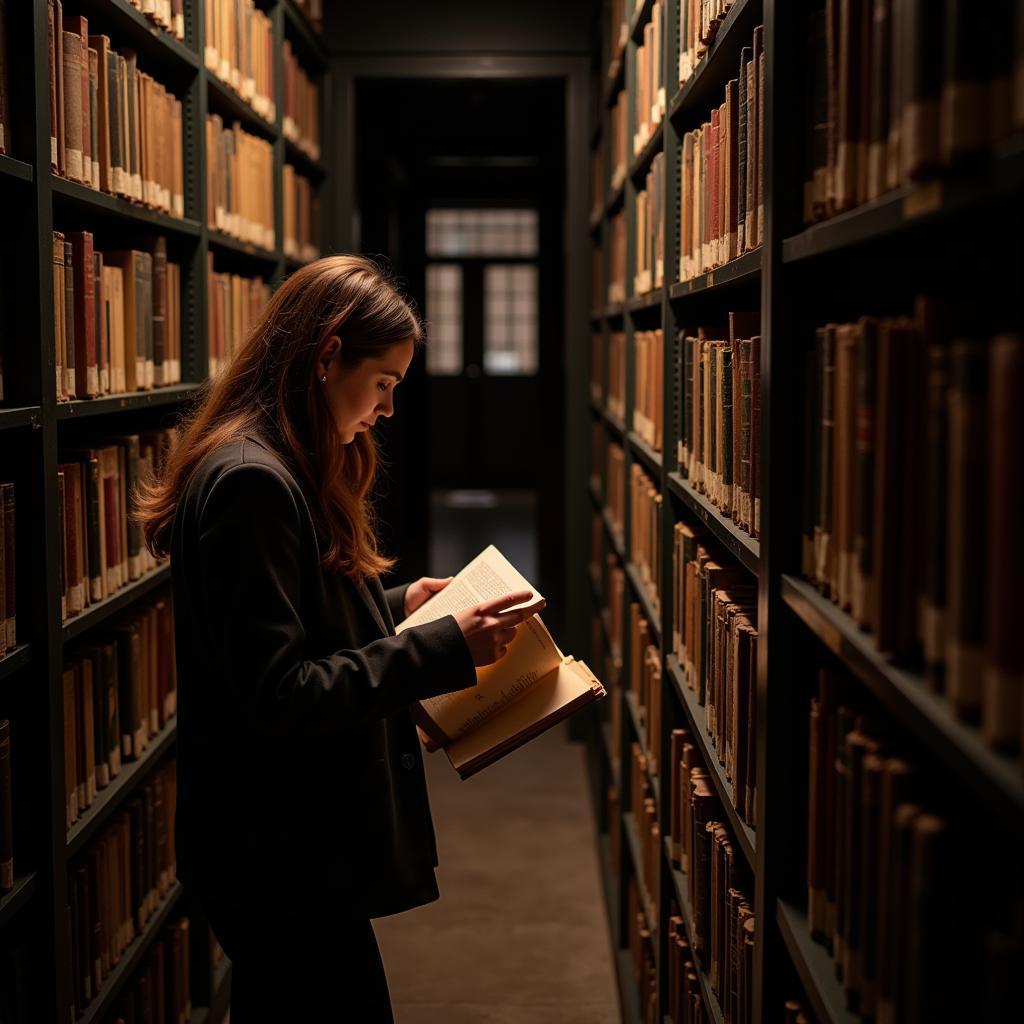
(72, 93)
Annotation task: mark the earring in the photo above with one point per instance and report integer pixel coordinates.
(323, 379)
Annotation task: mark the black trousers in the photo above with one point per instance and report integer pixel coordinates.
(287, 970)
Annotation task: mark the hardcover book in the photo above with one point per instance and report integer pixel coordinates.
(533, 687)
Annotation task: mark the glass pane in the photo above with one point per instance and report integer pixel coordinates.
(481, 232)
(510, 319)
(444, 318)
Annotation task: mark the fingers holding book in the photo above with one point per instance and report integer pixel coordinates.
(489, 627)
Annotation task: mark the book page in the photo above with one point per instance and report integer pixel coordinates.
(531, 655)
(556, 696)
(488, 576)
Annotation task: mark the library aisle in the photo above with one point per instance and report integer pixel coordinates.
(520, 934)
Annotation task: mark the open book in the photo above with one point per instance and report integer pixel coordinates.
(518, 697)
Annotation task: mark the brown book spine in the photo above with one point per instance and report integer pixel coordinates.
(921, 38)
(52, 39)
(101, 154)
(69, 319)
(965, 95)
(965, 652)
(1004, 669)
(881, 96)
(74, 146)
(161, 374)
(86, 368)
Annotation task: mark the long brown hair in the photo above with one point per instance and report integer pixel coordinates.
(271, 388)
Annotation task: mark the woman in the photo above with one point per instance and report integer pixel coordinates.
(302, 804)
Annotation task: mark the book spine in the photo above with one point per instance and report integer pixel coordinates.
(70, 375)
(72, 92)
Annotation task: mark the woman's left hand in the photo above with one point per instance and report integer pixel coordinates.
(421, 590)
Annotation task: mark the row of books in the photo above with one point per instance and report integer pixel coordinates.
(8, 574)
(685, 996)
(718, 882)
(645, 682)
(101, 541)
(715, 639)
(300, 216)
(698, 22)
(6, 812)
(120, 691)
(721, 187)
(617, 257)
(641, 942)
(615, 485)
(117, 317)
(159, 991)
(240, 51)
(909, 461)
(118, 883)
(648, 386)
(888, 842)
(645, 540)
(644, 808)
(898, 91)
(168, 14)
(300, 106)
(615, 400)
(235, 304)
(112, 126)
(619, 153)
(650, 230)
(718, 380)
(649, 88)
(239, 183)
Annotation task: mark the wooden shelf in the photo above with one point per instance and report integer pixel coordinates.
(220, 242)
(648, 302)
(651, 148)
(906, 207)
(653, 618)
(744, 269)
(15, 169)
(14, 660)
(698, 721)
(993, 778)
(814, 966)
(20, 416)
(646, 454)
(614, 423)
(705, 88)
(744, 548)
(110, 797)
(226, 102)
(682, 898)
(104, 405)
(613, 535)
(130, 959)
(636, 855)
(307, 41)
(102, 610)
(127, 26)
(11, 902)
(73, 194)
(303, 162)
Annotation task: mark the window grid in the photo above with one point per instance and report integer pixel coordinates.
(444, 318)
(510, 319)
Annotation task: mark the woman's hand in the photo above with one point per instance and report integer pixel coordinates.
(418, 593)
(489, 629)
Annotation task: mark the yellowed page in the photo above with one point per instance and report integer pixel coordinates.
(531, 655)
(554, 697)
(489, 575)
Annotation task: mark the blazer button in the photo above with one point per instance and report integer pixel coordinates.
(408, 761)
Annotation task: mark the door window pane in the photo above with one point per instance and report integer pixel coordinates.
(510, 318)
(481, 232)
(444, 318)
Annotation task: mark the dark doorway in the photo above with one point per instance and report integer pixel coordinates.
(460, 185)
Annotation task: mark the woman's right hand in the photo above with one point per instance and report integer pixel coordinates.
(489, 629)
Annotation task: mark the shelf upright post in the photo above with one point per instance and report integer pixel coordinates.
(782, 706)
(277, 27)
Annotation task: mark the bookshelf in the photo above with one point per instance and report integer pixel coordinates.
(35, 426)
(873, 259)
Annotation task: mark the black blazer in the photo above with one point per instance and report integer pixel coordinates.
(300, 777)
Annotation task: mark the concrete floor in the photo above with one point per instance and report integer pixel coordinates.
(520, 934)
